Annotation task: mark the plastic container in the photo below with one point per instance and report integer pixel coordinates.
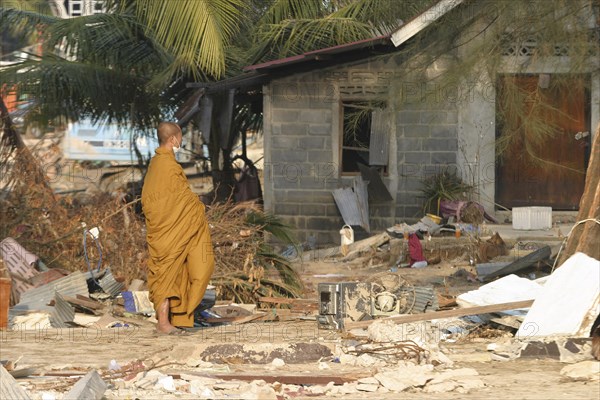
(346, 235)
(531, 218)
(435, 218)
(4, 301)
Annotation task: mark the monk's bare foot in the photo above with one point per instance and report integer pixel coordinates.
(165, 328)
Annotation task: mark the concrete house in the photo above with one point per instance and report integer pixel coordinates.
(412, 125)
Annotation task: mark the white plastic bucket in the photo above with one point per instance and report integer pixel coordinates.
(346, 235)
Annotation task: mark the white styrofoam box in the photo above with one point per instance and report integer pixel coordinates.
(529, 218)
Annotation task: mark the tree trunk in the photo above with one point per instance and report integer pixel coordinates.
(585, 237)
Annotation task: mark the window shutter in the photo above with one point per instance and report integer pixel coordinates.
(378, 145)
(205, 117)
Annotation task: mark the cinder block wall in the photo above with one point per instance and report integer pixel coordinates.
(300, 172)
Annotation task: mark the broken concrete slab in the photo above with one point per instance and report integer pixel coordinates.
(265, 353)
(584, 370)
(10, 388)
(90, 387)
(405, 377)
(503, 290)
(562, 349)
(569, 302)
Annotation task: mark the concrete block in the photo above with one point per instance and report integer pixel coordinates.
(443, 131)
(420, 131)
(313, 209)
(443, 158)
(284, 142)
(409, 144)
(408, 117)
(281, 115)
(433, 117)
(289, 128)
(319, 130)
(318, 116)
(286, 209)
(440, 144)
(320, 156)
(311, 143)
(321, 223)
(289, 156)
(417, 157)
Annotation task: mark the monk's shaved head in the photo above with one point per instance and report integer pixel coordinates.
(166, 130)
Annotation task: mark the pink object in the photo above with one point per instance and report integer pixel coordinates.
(20, 265)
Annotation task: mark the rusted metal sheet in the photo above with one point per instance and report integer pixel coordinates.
(38, 298)
(62, 314)
(380, 137)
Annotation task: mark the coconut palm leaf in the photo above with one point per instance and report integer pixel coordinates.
(196, 32)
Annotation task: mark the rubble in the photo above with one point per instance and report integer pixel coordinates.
(569, 302)
(584, 370)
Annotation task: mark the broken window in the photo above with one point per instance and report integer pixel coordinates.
(364, 136)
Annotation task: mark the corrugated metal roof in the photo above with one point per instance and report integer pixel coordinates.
(360, 188)
(38, 298)
(425, 299)
(347, 203)
(314, 54)
(62, 313)
(109, 284)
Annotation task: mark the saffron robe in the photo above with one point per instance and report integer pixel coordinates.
(181, 254)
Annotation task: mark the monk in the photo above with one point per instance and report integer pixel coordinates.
(181, 255)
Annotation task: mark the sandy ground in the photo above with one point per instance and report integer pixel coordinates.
(79, 349)
(84, 349)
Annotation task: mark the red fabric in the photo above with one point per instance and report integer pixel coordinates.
(414, 249)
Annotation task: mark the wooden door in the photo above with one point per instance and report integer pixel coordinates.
(550, 171)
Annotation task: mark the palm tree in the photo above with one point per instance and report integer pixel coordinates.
(128, 65)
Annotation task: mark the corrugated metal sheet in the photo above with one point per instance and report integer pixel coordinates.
(347, 203)
(109, 284)
(354, 204)
(62, 314)
(425, 299)
(360, 188)
(38, 298)
(380, 137)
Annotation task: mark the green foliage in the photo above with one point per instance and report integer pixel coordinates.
(445, 185)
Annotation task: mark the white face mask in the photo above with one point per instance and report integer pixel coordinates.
(176, 148)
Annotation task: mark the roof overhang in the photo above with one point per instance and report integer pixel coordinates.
(423, 20)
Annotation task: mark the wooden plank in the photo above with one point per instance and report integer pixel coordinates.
(288, 379)
(460, 312)
(234, 320)
(87, 303)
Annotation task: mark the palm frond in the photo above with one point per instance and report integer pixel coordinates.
(196, 32)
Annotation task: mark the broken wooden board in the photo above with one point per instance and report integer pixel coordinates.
(234, 320)
(460, 312)
(287, 379)
(353, 249)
